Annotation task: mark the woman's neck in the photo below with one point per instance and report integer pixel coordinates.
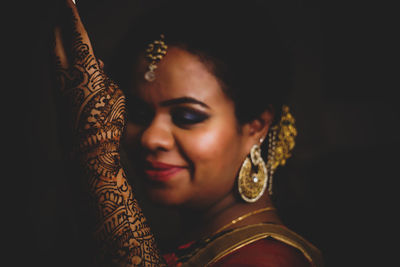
(202, 223)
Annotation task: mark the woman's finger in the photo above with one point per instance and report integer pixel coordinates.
(79, 42)
(60, 55)
(84, 70)
(101, 63)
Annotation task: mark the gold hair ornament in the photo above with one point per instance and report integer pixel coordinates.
(154, 53)
(280, 143)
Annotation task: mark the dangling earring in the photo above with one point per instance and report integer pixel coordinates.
(253, 177)
(270, 158)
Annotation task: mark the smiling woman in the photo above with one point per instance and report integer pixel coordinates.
(205, 132)
(191, 128)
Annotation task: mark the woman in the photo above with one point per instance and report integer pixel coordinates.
(204, 106)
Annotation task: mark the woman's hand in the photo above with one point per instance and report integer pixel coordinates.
(97, 109)
(97, 105)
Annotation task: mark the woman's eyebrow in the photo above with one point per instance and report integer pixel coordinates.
(183, 100)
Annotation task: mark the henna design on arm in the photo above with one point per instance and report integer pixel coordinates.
(99, 117)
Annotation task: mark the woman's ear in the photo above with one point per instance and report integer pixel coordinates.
(257, 129)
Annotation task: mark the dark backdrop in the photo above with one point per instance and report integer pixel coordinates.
(337, 190)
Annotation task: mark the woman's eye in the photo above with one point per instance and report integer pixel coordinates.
(187, 117)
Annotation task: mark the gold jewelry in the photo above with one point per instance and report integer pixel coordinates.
(238, 219)
(253, 177)
(280, 143)
(154, 53)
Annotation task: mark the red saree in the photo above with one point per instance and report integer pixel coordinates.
(265, 245)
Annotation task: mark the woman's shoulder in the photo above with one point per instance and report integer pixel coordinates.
(267, 252)
(263, 244)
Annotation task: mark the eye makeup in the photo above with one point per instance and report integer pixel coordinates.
(180, 109)
(184, 116)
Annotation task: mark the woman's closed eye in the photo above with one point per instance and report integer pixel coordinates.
(185, 117)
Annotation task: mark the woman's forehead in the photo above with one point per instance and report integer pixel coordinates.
(178, 74)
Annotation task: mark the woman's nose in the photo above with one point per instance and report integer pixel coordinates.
(158, 136)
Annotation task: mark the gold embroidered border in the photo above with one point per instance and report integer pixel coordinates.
(243, 236)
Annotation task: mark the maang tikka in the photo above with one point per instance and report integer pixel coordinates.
(154, 53)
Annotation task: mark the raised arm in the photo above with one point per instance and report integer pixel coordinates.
(98, 118)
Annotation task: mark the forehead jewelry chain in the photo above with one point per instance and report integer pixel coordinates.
(154, 53)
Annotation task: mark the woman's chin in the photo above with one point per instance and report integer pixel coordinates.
(165, 197)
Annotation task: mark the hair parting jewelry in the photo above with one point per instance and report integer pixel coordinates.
(154, 53)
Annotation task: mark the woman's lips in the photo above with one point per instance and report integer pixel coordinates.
(158, 171)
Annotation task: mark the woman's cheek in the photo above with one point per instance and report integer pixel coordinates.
(213, 147)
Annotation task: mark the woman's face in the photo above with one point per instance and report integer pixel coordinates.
(184, 133)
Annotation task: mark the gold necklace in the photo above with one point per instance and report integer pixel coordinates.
(238, 219)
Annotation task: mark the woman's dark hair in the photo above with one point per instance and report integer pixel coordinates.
(239, 42)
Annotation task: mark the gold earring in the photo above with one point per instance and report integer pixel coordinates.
(253, 177)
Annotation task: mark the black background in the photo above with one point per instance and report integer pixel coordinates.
(338, 190)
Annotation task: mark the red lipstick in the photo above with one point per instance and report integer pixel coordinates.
(161, 172)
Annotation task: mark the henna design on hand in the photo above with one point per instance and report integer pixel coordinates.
(98, 112)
